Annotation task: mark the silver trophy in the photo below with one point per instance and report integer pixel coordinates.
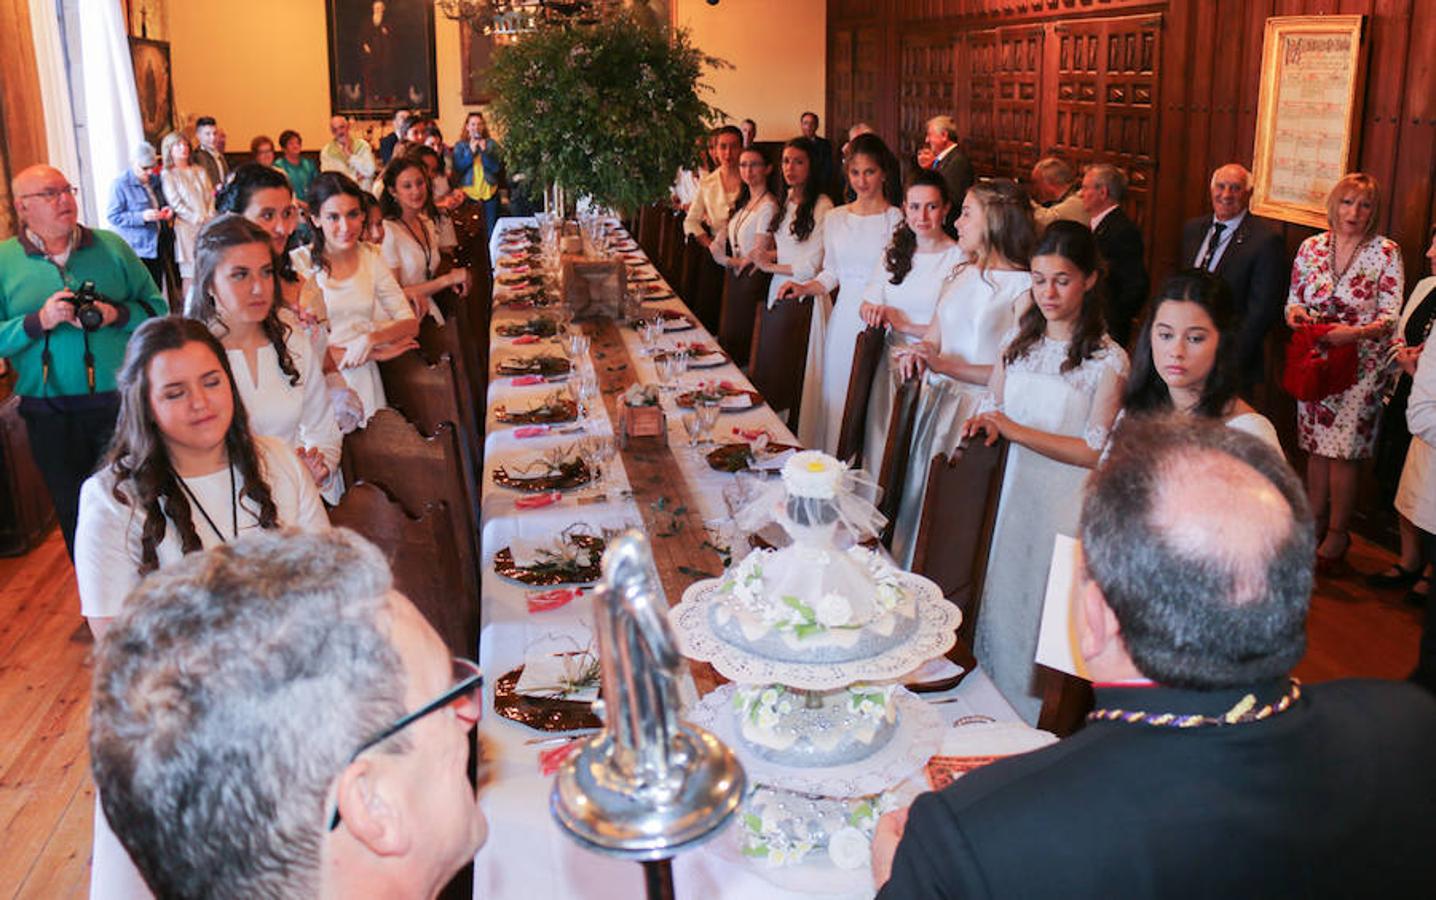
(647, 786)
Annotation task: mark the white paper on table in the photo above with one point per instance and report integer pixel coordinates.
(771, 462)
(1057, 641)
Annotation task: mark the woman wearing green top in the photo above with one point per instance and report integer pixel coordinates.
(301, 171)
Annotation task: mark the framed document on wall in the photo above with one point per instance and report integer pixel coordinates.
(1313, 76)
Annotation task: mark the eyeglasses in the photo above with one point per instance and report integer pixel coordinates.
(52, 194)
(465, 698)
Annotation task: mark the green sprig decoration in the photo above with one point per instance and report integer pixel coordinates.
(610, 110)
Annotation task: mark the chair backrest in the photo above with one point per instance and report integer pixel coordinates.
(742, 295)
(471, 381)
(867, 353)
(670, 246)
(780, 354)
(428, 394)
(893, 470)
(955, 532)
(1066, 701)
(700, 284)
(423, 556)
(650, 226)
(416, 470)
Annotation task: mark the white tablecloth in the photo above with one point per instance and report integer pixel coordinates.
(527, 857)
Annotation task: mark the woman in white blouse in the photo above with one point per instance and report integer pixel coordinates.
(1184, 357)
(707, 218)
(854, 236)
(902, 292)
(368, 317)
(191, 196)
(183, 473)
(961, 345)
(794, 249)
(411, 239)
(1421, 419)
(278, 374)
(752, 214)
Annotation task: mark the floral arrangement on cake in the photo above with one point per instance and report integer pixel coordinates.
(783, 829)
(813, 474)
(828, 611)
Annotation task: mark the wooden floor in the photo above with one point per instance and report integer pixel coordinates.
(46, 799)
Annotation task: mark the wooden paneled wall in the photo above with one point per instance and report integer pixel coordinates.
(22, 121)
(1167, 90)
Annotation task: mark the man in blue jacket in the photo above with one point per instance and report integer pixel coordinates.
(66, 352)
(137, 209)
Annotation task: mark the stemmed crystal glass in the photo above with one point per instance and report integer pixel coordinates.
(648, 334)
(708, 410)
(666, 364)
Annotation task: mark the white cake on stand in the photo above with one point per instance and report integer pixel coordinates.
(814, 637)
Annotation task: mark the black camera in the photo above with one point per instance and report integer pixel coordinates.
(90, 316)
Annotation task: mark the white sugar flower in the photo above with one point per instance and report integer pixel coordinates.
(813, 474)
(833, 610)
(848, 848)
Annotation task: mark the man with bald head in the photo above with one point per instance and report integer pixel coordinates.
(66, 353)
(348, 154)
(1248, 253)
(1205, 770)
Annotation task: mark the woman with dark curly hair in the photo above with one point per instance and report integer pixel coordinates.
(183, 472)
(1055, 393)
(902, 293)
(280, 374)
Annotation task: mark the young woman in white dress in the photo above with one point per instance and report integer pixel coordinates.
(751, 214)
(411, 239)
(854, 237)
(183, 473)
(1184, 358)
(351, 288)
(902, 292)
(794, 249)
(1054, 395)
(278, 373)
(959, 348)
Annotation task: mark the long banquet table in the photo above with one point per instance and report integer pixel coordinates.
(527, 857)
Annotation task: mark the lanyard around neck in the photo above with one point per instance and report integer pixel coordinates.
(233, 506)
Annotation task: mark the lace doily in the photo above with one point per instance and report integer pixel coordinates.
(937, 622)
(919, 734)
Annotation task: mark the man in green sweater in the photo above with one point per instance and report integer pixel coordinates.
(65, 372)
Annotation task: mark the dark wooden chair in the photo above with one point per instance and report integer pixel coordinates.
(955, 532)
(670, 246)
(742, 295)
(428, 395)
(417, 470)
(1066, 701)
(700, 284)
(423, 556)
(780, 354)
(867, 353)
(893, 469)
(650, 229)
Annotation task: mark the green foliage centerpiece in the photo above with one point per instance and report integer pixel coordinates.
(609, 110)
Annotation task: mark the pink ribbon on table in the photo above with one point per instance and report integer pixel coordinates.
(530, 431)
(535, 501)
(550, 760)
(751, 434)
(527, 339)
(526, 380)
(543, 601)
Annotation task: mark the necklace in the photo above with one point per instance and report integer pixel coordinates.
(233, 506)
(1338, 271)
(1243, 712)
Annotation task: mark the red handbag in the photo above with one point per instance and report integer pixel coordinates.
(1315, 370)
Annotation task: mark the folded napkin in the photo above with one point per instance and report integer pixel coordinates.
(535, 501)
(527, 339)
(530, 431)
(527, 552)
(543, 601)
(735, 401)
(526, 380)
(771, 462)
(553, 675)
(708, 359)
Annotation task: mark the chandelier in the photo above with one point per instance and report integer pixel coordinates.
(507, 20)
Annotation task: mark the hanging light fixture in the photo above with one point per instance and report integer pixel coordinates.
(507, 20)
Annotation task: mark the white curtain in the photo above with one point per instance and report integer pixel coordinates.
(54, 89)
(112, 106)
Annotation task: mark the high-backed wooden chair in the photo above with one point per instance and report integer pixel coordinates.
(650, 229)
(742, 295)
(867, 353)
(423, 556)
(670, 246)
(1066, 701)
(893, 469)
(428, 395)
(954, 533)
(780, 354)
(700, 284)
(418, 470)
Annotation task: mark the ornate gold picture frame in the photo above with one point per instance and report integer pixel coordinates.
(1313, 72)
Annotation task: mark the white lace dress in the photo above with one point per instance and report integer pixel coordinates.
(1041, 498)
(853, 247)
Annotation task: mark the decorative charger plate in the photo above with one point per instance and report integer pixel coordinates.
(547, 575)
(920, 729)
(534, 365)
(541, 713)
(688, 398)
(640, 276)
(573, 473)
(554, 413)
(936, 632)
(541, 326)
(736, 457)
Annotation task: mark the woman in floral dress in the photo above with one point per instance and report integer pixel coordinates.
(1350, 278)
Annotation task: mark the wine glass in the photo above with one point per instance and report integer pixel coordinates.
(576, 343)
(647, 336)
(665, 364)
(681, 357)
(708, 410)
(693, 426)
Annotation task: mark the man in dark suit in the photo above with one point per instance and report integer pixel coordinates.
(210, 153)
(1205, 771)
(940, 153)
(822, 151)
(1104, 187)
(1248, 253)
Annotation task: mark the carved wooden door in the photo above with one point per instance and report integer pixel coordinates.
(926, 83)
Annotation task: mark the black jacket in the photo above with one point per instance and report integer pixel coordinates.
(1119, 240)
(1335, 797)
(956, 171)
(1256, 269)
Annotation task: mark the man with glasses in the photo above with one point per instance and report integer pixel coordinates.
(313, 737)
(66, 353)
